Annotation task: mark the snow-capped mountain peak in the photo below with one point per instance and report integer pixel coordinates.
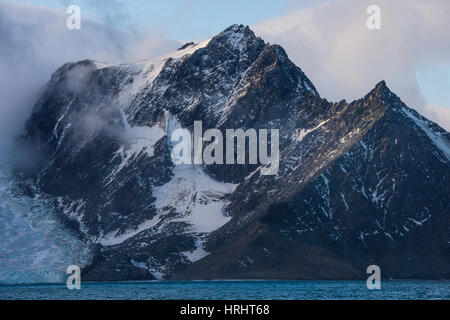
(358, 182)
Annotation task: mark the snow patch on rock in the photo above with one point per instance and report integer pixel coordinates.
(438, 138)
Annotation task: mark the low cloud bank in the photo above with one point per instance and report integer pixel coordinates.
(35, 42)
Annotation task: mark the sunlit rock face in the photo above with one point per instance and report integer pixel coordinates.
(359, 183)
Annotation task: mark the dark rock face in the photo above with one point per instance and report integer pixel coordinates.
(359, 183)
(382, 202)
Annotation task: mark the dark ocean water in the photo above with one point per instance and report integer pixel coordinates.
(233, 290)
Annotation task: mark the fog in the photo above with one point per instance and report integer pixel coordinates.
(35, 42)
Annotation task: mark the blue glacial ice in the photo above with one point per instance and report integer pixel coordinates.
(34, 246)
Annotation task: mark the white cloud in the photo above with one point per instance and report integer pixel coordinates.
(35, 42)
(344, 59)
(440, 115)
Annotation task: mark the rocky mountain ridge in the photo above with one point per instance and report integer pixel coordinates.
(359, 183)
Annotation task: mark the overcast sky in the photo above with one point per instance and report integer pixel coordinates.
(329, 40)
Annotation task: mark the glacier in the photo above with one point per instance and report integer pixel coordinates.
(36, 247)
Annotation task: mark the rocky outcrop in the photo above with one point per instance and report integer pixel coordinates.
(359, 183)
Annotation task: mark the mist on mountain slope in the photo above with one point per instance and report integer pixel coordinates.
(35, 42)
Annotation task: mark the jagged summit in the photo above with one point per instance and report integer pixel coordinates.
(380, 95)
(381, 90)
(238, 38)
(238, 29)
(381, 84)
(187, 45)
